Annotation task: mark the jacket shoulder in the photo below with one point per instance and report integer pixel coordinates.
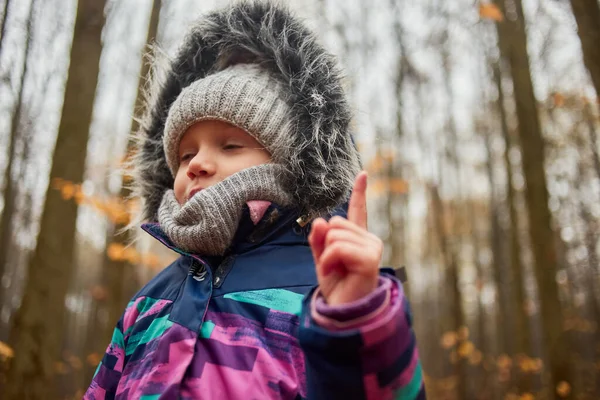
(167, 283)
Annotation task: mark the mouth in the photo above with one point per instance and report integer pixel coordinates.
(193, 192)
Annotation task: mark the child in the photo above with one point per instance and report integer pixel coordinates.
(245, 146)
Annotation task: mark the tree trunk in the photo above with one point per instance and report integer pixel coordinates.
(587, 15)
(3, 23)
(453, 242)
(522, 335)
(118, 276)
(397, 224)
(513, 47)
(9, 193)
(481, 377)
(504, 322)
(589, 118)
(37, 330)
(454, 304)
(118, 273)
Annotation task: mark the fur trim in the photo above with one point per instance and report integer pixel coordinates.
(320, 155)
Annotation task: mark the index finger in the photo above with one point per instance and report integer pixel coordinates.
(357, 209)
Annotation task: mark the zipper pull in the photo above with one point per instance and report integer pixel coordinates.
(198, 271)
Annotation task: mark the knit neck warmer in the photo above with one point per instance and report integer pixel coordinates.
(207, 223)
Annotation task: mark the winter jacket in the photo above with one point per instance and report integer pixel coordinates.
(249, 326)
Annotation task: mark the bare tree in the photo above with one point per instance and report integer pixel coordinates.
(587, 15)
(3, 22)
(37, 328)
(9, 193)
(513, 47)
(521, 333)
(116, 271)
(118, 275)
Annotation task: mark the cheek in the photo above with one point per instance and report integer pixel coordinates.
(179, 187)
(253, 159)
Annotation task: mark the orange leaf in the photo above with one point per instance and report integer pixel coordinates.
(527, 396)
(98, 205)
(131, 255)
(490, 11)
(377, 187)
(465, 349)
(99, 293)
(399, 186)
(563, 389)
(388, 155)
(558, 99)
(475, 358)
(57, 183)
(376, 164)
(60, 368)
(504, 361)
(93, 359)
(67, 191)
(115, 251)
(449, 339)
(75, 363)
(6, 351)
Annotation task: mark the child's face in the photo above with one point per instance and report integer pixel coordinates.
(209, 152)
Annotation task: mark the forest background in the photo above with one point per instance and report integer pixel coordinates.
(477, 121)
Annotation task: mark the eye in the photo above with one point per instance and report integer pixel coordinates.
(186, 157)
(232, 146)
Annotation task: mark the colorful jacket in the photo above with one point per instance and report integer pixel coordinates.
(251, 326)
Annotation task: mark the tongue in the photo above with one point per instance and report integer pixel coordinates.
(257, 209)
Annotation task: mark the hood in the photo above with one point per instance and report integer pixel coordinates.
(322, 159)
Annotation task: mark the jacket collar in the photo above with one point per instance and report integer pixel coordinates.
(277, 225)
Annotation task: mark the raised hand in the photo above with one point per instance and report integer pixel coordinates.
(347, 256)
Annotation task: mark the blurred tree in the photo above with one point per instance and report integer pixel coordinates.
(3, 22)
(451, 171)
(453, 318)
(520, 320)
(513, 48)
(118, 274)
(9, 193)
(37, 330)
(587, 15)
(589, 118)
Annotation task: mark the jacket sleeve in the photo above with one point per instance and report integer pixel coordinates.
(362, 350)
(108, 374)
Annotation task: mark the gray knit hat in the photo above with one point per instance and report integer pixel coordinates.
(243, 95)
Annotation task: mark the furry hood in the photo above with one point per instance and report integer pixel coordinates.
(322, 159)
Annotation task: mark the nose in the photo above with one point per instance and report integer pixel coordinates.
(202, 164)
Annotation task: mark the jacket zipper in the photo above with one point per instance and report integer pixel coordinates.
(198, 270)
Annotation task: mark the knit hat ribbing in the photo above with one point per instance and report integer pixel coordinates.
(242, 95)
